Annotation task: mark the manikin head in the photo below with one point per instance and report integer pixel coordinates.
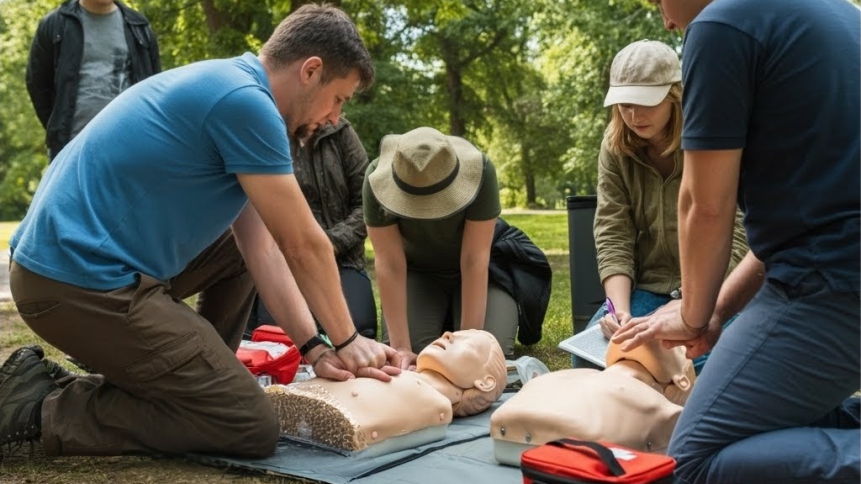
(471, 360)
(315, 61)
(667, 369)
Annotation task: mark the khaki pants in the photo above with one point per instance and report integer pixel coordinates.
(169, 381)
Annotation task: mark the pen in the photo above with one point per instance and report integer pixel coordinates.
(612, 310)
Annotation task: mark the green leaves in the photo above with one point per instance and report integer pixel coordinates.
(523, 79)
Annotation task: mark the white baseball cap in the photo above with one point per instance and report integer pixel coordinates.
(642, 73)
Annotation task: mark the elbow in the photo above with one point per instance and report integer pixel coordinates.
(298, 247)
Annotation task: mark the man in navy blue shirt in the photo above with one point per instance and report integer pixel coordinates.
(771, 122)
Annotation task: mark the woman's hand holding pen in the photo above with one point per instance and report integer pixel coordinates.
(613, 320)
(609, 324)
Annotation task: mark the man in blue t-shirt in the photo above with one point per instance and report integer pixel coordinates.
(181, 186)
(771, 121)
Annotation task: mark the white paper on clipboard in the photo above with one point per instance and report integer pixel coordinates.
(588, 344)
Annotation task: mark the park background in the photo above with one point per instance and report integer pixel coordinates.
(522, 79)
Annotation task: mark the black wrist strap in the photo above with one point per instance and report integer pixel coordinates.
(312, 343)
(349, 340)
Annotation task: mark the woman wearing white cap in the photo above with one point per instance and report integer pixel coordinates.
(639, 174)
(431, 202)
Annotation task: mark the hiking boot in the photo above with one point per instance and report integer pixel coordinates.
(56, 371)
(37, 350)
(24, 384)
(74, 361)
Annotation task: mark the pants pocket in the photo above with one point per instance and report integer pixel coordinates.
(164, 359)
(37, 309)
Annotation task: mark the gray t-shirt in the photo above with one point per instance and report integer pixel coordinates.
(105, 67)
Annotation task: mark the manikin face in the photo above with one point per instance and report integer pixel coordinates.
(678, 14)
(647, 122)
(462, 357)
(320, 104)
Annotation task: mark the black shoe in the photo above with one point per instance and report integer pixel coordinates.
(74, 361)
(56, 371)
(40, 353)
(24, 384)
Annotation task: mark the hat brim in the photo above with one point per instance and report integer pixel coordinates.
(639, 95)
(448, 201)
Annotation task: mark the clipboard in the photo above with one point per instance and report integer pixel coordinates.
(588, 344)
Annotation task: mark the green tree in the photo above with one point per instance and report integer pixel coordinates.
(23, 154)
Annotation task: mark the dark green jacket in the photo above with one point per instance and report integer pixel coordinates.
(331, 170)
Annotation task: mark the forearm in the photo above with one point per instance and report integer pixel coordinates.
(313, 265)
(278, 290)
(705, 238)
(473, 295)
(739, 288)
(392, 281)
(618, 288)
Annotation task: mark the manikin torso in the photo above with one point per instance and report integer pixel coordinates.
(354, 414)
(626, 404)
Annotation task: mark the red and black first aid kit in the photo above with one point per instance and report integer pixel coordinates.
(270, 353)
(568, 461)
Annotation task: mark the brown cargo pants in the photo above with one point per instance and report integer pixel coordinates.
(169, 381)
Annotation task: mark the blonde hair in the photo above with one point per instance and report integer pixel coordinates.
(621, 141)
(475, 401)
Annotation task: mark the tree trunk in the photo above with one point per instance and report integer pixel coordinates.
(215, 19)
(528, 176)
(454, 86)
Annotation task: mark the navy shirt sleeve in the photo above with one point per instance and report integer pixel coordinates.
(719, 78)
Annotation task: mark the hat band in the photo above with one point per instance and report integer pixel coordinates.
(430, 189)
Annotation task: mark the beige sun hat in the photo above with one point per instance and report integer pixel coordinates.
(424, 174)
(642, 73)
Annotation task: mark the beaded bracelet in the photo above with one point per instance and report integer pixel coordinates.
(349, 340)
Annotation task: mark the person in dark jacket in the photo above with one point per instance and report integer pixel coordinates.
(84, 53)
(519, 267)
(330, 168)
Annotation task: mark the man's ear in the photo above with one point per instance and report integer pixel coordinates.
(311, 68)
(486, 384)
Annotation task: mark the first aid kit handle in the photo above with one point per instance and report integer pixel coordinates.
(605, 454)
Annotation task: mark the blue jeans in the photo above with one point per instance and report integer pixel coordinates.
(774, 404)
(642, 304)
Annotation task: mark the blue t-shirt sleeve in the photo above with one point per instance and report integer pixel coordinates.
(719, 66)
(248, 133)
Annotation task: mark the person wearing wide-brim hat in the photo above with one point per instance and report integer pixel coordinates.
(431, 202)
(639, 176)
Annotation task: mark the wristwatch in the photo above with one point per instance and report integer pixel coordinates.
(312, 343)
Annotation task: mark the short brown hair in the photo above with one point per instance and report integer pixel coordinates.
(621, 141)
(326, 32)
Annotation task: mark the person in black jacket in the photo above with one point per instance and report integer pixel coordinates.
(72, 76)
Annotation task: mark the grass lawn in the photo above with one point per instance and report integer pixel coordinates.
(6, 229)
(549, 230)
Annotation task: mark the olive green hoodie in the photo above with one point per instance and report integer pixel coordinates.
(636, 223)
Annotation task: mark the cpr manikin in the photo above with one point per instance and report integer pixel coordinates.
(459, 374)
(635, 402)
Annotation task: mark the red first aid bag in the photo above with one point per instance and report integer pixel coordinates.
(568, 461)
(270, 352)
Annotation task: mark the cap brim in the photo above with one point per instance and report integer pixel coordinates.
(639, 95)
